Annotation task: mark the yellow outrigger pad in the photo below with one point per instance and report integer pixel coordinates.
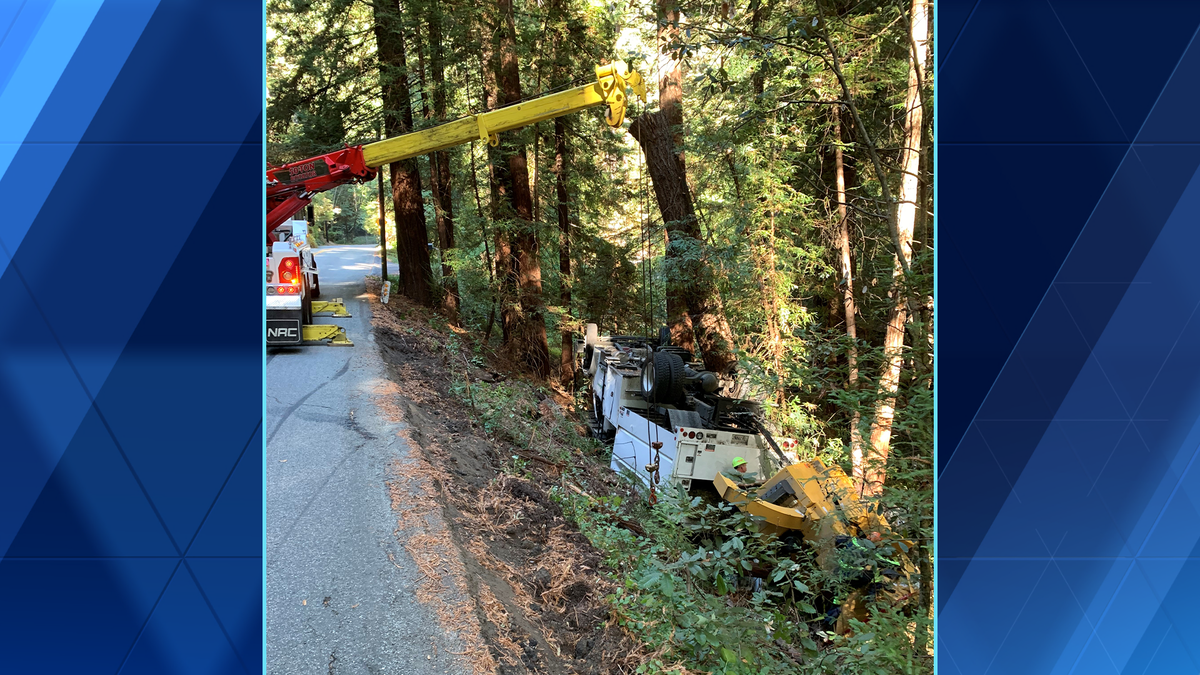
(335, 308)
(321, 332)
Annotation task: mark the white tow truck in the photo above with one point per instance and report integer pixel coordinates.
(292, 288)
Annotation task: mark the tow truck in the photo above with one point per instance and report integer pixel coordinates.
(669, 426)
(292, 289)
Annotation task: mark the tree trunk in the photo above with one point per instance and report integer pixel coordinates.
(567, 360)
(560, 33)
(439, 166)
(670, 105)
(847, 282)
(412, 241)
(487, 252)
(524, 320)
(383, 242)
(893, 345)
(693, 278)
(758, 13)
(503, 284)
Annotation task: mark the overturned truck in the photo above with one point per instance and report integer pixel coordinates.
(669, 425)
(663, 413)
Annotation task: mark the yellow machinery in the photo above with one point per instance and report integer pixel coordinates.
(291, 187)
(818, 501)
(608, 89)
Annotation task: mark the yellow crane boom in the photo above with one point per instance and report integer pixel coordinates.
(290, 187)
(608, 89)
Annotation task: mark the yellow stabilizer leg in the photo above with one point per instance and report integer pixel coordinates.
(335, 308)
(321, 332)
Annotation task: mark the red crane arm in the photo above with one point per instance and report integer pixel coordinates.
(291, 187)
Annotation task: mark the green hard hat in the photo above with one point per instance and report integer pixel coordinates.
(738, 461)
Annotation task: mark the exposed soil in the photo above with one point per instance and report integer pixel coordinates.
(506, 566)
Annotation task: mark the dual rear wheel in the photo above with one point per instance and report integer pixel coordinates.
(662, 378)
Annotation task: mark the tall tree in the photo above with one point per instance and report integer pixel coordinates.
(502, 282)
(906, 209)
(439, 164)
(557, 25)
(412, 240)
(524, 320)
(847, 283)
(563, 202)
(691, 289)
(669, 71)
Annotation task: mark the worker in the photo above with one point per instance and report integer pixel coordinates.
(745, 479)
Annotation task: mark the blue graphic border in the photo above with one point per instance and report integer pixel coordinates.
(131, 155)
(1068, 500)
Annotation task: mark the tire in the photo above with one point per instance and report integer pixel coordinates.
(675, 386)
(589, 353)
(598, 413)
(306, 313)
(662, 378)
(316, 289)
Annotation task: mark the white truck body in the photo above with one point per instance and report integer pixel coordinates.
(689, 452)
(291, 284)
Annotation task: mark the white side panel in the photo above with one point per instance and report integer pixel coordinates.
(631, 447)
(615, 383)
(626, 451)
(598, 379)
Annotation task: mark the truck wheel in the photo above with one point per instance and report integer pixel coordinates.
(306, 317)
(675, 383)
(662, 378)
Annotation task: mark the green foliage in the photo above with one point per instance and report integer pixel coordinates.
(689, 591)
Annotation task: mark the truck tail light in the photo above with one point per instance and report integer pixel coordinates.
(289, 270)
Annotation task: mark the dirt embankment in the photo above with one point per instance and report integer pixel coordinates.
(503, 569)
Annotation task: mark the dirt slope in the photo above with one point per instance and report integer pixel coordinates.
(502, 567)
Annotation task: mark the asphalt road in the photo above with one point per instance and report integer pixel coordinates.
(336, 603)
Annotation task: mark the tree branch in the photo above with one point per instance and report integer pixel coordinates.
(883, 183)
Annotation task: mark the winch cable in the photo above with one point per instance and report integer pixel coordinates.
(647, 246)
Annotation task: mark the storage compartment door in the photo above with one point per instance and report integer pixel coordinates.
(685, 462)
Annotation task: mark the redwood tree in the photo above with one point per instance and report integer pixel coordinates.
(524, 322)
(412, 242)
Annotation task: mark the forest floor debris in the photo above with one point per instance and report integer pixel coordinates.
(501, 566)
